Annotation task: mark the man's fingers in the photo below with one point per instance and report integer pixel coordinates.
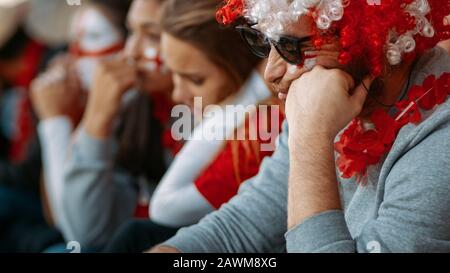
(293, 72)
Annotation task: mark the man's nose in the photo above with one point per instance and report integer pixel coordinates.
(276, 67)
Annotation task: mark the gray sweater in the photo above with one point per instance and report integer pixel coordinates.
(403, 208)
(98, 197)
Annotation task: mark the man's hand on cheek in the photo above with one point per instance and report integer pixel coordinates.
(321, 58)
(322, 102)
(293, 72)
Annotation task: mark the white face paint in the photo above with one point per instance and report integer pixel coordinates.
(92, 32)
(155, 61)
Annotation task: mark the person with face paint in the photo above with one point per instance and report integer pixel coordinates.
(59, 95)
(363, 166)
(122, 146)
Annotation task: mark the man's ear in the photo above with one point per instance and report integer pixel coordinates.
(447, 20)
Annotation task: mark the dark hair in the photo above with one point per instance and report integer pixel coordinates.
(195, 22)
(140, 150)
(15, 45)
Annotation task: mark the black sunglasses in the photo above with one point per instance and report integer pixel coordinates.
(288, 47)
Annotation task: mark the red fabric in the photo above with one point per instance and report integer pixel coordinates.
(31, 58)
(75, 50)
(161, 111)
(358, 148)
(235, 163)
(141, 211)
(218, 182)
(23, 133)
(229, 13)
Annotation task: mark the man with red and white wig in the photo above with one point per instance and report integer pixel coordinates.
(364, 166)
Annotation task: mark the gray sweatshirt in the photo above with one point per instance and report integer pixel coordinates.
(404, 206)
(98, 197)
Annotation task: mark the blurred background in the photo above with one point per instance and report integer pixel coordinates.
(31, 34)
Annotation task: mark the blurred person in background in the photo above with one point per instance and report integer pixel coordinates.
(208, 170)
(48, 21)
(122, 146)
(97, 32)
